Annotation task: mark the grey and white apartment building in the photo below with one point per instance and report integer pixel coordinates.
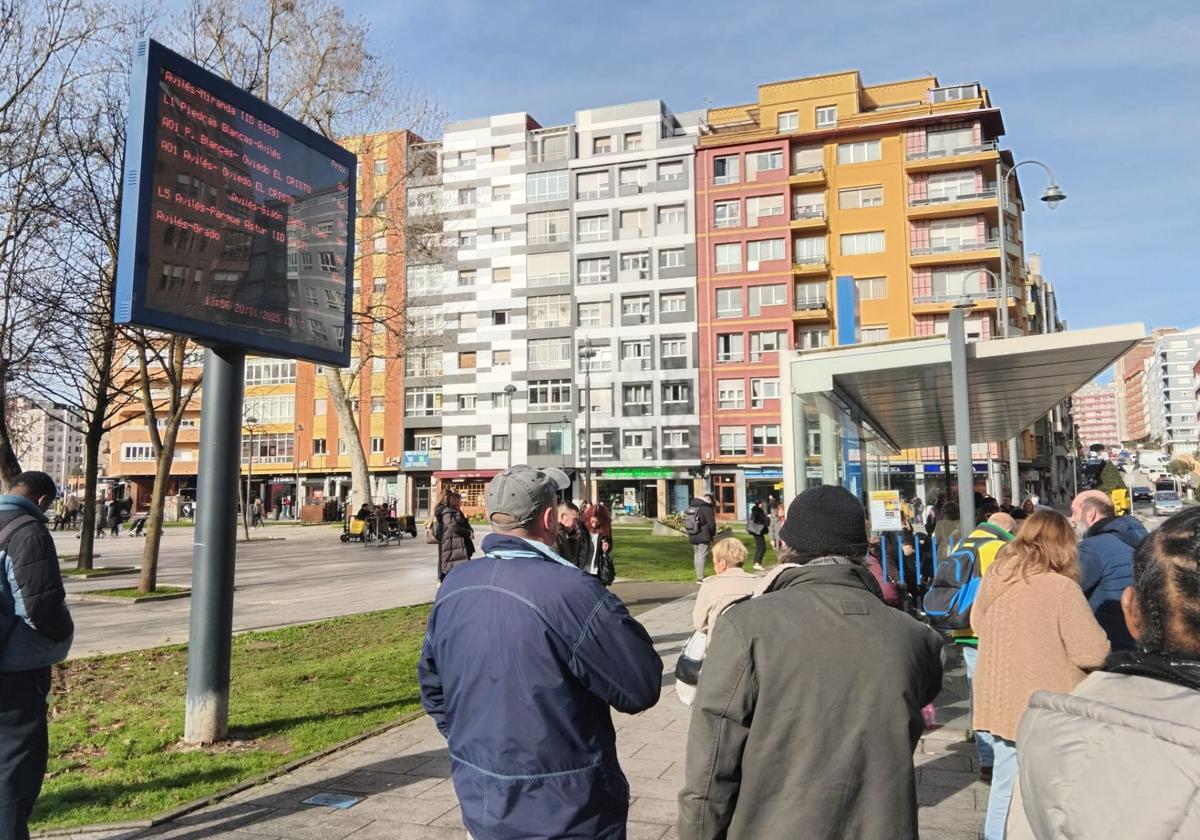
(1171, 392)
(553, 240)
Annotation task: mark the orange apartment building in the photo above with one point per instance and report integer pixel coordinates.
(1133, 410)
(893, 185)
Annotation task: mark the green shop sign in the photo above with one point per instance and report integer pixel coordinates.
(638, 472)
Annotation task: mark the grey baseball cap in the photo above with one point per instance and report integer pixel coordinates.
(522, 491)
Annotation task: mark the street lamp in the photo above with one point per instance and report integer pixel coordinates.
(510, 389)
(586, 355)
(298, 498)
(1051, 197)
(249, 422)
(960, 400)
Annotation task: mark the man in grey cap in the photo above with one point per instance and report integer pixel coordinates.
(524, 655)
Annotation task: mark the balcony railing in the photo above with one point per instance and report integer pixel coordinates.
(560, 279)
(977, 294)
(546, 157)
(988, 192)
(957, 247)
(971, 149)
(802, 213)
(810, 303)
(549, 238)
(810, 259)
(815, 169)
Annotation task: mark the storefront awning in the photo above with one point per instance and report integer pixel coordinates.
(903, 387)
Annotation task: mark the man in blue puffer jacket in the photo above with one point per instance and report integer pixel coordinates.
(35, 632)
(524, 654)
(1106, 548)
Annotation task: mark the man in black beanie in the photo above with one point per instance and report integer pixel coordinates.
(809, 707)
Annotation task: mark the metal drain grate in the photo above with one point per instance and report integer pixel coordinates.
(333, 800)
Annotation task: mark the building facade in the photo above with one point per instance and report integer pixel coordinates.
(1094, 409)
(894, 186)
(1171, 392)
(46, 439)
(1133, 409)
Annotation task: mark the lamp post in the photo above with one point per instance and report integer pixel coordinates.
(510, 389)
(250, 422)
(1052, 196)
(298, 498)
(957, 333)
(586, 355)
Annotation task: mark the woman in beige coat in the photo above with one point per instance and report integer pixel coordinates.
(1036, 632)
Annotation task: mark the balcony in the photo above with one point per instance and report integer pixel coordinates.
(549, 238)
(807, 175)
(811, 308)
(954, 157)
(546, 157)
(808, 217)
(939, 300)
(959, 247)
(933, 207)
(810, 264)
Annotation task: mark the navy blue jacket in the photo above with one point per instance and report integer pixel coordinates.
(33, 608)
(1106, 563)
(524, 654)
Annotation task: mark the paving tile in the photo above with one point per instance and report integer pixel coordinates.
(311, 825)
(644, 768)
(645, 831)
(386, 830)
(401, 809)
(647, 809)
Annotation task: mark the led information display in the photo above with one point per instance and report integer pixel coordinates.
(237, 221)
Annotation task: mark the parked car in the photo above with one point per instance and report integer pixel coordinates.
(1167, 502)
(1142, 494)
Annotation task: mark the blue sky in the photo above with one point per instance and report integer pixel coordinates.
(1104, 92)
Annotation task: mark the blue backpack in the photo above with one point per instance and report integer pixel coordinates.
(953, 590)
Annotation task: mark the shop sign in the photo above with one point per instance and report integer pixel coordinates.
(416, 459)
(638, 472)
(937, 468)
(764, 472)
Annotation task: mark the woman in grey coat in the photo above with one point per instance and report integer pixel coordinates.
(1119, 757)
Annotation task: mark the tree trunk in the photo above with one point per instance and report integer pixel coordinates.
(360, 472)
(158, 495)
(10, 467)
(87, 534)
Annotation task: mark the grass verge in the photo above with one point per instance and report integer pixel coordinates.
(638, 555)
(133, 593)
(116, 720)
(96, 572)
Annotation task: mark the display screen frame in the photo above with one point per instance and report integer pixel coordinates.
(130, 304)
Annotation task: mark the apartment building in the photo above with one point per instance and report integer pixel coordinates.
(45, 438)
(1133, 409)
(1094, 408)
(1171, 392)
(567, 257)
(893, 185)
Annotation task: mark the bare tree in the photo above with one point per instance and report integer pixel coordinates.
(311, 61)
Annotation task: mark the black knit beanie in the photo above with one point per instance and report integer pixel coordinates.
(824, 521)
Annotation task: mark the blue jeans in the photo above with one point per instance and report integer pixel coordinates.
(983, 740)
(1004, 779)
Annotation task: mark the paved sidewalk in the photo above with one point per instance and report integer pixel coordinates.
(403, 776)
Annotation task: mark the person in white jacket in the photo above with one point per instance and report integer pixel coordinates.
(1119, 757)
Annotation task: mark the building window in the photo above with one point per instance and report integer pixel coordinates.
(422, 280)
(501, 234)
(671, 258)
(502, 274)
(637, 443)
(860, 197)
(674, 348)
(638, 397)
(731, 393)
(635, 266)
(547, 186)
(466, 197)
(808, 249)
(466, 239)
(341, 446)
(501, 358)
(501, 152)
(636, 355)
(376, 445)
(502, 192)
(422, 402)
(594, 270)
(762, 162)
(762, 390)
(675, 214)
(593, 228)
(788, 121)
(870, 334)
(632, 141)
(601, 361)
(320, 407)
(861, 152)
(729, 303)
(772, 295)
(423, 361)
(671, 170)
(674, 302)
(270, 372)
(598, 314)
(763, 205)
(500, 318)
(732, 440)
(592, 184)
(676, 393)
(675, 439)
(544, 228)
(731, 347)
(499, 443)
(602, 444)
(728, 258)
(633, 223)
(466, 444)
(548, 439)
(380, 166)
(762, 437)
(319, 446)
(550, 395)
(869, 242)
(727, 214)
(812, 338)
(378, 405)
(137, 452)
(467, 402)
(601, 145)
(544, 353)
(501, 400)
(872, 288)
(548, 269)
(767, 341)
(726, 170)
(826, 116)
(632, 176)
(764, 250)
(379, 285)
(466, 360)
(636, 307)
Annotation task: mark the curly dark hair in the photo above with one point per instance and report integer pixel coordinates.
(1166, 580)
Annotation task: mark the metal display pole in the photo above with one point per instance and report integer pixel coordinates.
(214, 548)
(962, 416)
(587, 355)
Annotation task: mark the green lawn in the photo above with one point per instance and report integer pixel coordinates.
(132, 591)
(640, 556)
(116, 721)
